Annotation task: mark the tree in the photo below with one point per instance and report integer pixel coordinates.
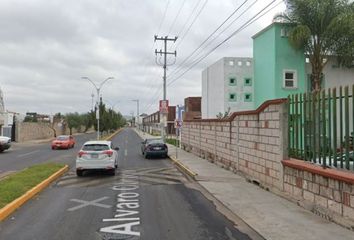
(321, 28)
(224, 115)
(73, 120)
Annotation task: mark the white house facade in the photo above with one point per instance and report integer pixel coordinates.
(227, 84)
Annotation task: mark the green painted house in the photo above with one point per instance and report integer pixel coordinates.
(279, 70)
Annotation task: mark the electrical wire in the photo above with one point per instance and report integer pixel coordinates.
(190, 26)
(175, 19)
(149, 87)
(179, 67)
(246, 24)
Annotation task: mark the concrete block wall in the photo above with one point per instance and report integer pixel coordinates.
(248, 142)
(27, 131)
(327, 196)
(259, 147)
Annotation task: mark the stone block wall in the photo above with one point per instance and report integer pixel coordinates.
(248, 142)
(27, 131)
(326, 192)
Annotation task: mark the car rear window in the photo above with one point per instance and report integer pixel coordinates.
(61, 138)
(154, 141)
(95, 147)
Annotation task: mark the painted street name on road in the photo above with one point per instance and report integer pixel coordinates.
(126, 209)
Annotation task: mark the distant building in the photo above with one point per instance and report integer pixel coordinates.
(227, 85)
(151, 123)
(333, 75)
(192, 108)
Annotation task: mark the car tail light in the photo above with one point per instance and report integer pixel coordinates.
(81, 153)
(108, 152)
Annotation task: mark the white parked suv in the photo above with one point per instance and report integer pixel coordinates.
(97, 155)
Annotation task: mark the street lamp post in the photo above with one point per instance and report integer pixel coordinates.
(97, 102)
(137, 113)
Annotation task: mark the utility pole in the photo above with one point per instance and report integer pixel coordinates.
(164, 65)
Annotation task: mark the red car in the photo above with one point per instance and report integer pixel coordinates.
(63, 141)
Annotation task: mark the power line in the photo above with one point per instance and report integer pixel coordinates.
(164, 16)
(190, 55)
(246, 24)
(174, 21)
(152, 47)
(187, 20)
(193, 21)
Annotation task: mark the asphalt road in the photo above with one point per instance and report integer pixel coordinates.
(147, 199)
(20, 156)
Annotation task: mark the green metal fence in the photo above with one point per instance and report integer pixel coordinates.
(321, 127)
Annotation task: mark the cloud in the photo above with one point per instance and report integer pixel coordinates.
(47, 46)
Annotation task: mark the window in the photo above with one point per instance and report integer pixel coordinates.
(231, 63)
(284, 32)
(232, 97)
(289, 79)
(248, 82)
(232, 81)
(248, 97)
(248, 63)
(239, 63)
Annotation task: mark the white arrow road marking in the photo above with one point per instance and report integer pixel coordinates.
(29, 153)
(89, 203)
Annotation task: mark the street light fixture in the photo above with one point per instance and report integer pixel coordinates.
(97, 102)
(137, 114)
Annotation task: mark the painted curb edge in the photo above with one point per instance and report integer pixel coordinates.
(18, 202)
(183, 167)
(113, 134)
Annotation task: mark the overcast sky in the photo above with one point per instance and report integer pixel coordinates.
(46, 46)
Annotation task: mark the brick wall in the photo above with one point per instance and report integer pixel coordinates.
(248, 142)
(254, 143)
(326, 192)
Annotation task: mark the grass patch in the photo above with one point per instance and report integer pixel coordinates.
(18, 183)
(172, 141)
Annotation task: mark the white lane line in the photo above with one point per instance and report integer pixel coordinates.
(26, 154)
(125, 152)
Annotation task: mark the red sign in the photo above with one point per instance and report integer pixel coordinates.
(164, 106)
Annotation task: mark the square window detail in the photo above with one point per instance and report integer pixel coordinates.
(248, 82)
(232, 97)
(248, 63)
(231, 63)
(239, 63)
(248, 97)
(232, 81)
(289, 79)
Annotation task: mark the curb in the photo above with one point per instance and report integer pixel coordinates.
(113, 134)
(18, 202)
(184, 168)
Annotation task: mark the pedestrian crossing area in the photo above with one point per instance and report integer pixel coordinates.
(145, 176)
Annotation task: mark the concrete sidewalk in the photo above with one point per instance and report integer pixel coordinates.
(271, 216)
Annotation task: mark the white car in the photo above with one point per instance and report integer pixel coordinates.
(5, 143)
(100, 155)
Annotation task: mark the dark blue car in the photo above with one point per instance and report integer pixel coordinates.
(154, 147)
